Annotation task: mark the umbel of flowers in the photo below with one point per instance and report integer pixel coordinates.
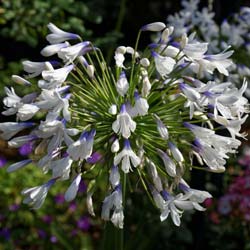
(144, 119)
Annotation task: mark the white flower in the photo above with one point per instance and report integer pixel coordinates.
(73, 188)
(195, 51)
(123, 124)
(61, 168)
(126, 156)
(59, 35)
(54, 78)
(18, 165)
(169, 164)
(162, 129)
(57, 131)
(113, 109)
(115, 147)
(156, 26)
(33, 68)
(51, 100)
(9, 129)
(114, 177)
(122, 84)
(145, 62)
(27, 111)
(164, 64)
(113, 202)
(82, 148)
(146, 86)
(35, 196)
(141, 105)
(20, 140)
(155, 176)
(70, 53)
(53, 49)
(194, 194)
(176, 152)
(20, 80)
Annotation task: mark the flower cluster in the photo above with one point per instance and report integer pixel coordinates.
(146, 118)
(232, 32)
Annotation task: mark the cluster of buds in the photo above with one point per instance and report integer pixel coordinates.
(145, 118)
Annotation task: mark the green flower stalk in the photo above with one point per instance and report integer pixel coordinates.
(144, 118)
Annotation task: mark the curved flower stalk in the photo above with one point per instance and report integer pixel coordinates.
(152, 101)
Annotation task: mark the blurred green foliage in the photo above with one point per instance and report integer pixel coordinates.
(24, 20)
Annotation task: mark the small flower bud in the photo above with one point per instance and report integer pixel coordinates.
(145, 62)
(90, 71)
(156, 26)
(20, 80)
(113, 109)
(115, 146)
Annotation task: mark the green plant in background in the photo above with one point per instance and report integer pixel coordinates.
(26, 21)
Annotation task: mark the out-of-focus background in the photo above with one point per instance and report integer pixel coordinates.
(60, 225)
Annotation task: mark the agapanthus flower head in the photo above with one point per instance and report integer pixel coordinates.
(145, 117)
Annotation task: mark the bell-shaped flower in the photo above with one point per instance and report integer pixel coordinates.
(51, 100)
(194, 194)
(9, 129)
(27, 111)
(124, 124)
(141, 105)
(113, 202)
(33, 68)
(61, 168)
(122, 84)
(54, 78)
(53, 49)
(57, 35)
(83, 147)
(164, 64)
(126, 156)
(57, 131)
(70, 53)
(73, 188)
(35, 196)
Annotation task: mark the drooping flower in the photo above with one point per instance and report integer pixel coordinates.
(126, 156)
(124, 124)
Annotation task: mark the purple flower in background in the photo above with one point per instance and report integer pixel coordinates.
(41, 233)
(26, 149)
(59, 199)
(3, 161)
(5, 233)
(53, 239)
(14, 207)
(72, 207)
(94, 158)
(224, 205)
(83, 223)
(47, 219)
